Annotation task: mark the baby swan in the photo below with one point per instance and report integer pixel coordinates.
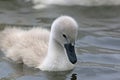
(39, 48)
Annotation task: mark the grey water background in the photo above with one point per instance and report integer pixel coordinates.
(97, 46)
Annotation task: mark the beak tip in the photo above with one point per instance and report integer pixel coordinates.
(74, 61)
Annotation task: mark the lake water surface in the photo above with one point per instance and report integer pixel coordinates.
(97, 47)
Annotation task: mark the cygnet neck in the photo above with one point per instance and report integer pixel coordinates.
(56, 59)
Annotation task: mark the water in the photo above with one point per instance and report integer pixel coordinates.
(44, 3)
(97, 47)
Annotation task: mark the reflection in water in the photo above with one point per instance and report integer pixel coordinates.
(74, 76)
(56, 75)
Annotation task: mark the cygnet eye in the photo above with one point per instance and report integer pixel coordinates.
(64, 36)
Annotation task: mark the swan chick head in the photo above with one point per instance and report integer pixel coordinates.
(63, 28)
(64, 32)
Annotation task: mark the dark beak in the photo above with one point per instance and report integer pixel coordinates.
(70, 50)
